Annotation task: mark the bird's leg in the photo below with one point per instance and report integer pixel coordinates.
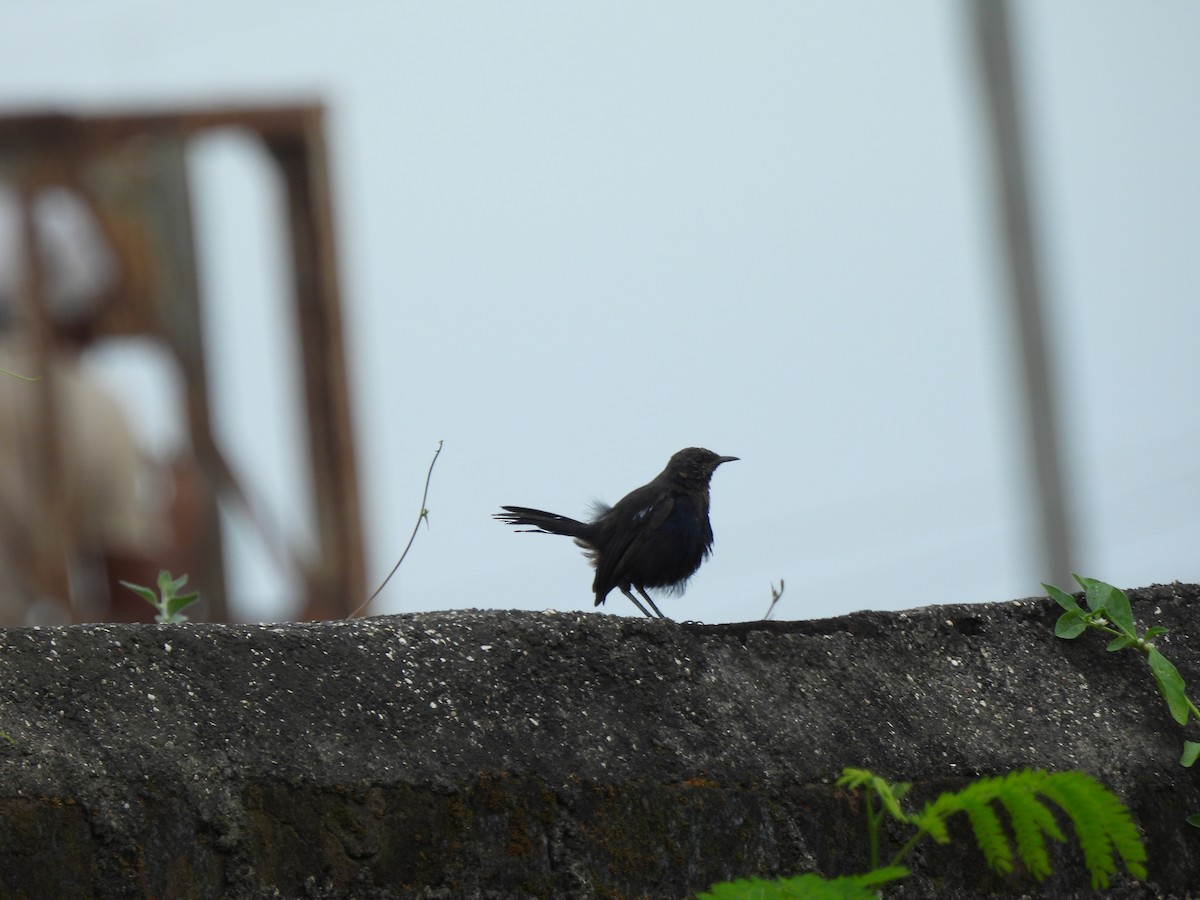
(638, 603)
(641, 591)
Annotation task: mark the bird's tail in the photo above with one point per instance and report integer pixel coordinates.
(546, 522)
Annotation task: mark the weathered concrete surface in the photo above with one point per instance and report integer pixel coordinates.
(508, 754)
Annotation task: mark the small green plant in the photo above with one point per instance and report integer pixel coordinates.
(1102, 825)
(1108, 611)
(169, 602)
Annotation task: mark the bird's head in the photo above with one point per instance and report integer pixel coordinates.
(695, 464)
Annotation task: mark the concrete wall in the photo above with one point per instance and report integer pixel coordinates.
(511, 754)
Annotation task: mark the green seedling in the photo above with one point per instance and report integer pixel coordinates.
(169, 602)
(1107, 610)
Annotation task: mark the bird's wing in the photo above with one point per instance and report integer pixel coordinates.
(646, 517)
(659, 511)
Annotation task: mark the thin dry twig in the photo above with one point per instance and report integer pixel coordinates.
(422, 516)
(775, 595)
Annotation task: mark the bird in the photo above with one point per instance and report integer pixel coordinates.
(656, 536)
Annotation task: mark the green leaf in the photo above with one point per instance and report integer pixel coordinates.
(891, 797)
(1097, 594)
(853, 778)
(1170, 685)
(1031, 822)
(1071, 625)
(933, 822)
(1062, 598)
(1116, 608)
(1193, 820)
(1102, 824)
(1191, 752)
(989, 835)
(808, 886)
(1119, 643)
(175, 604)
(1103, 597)
(1152, 633)
(170, 586)
(144, 592)
(889, 794)
(877, 877)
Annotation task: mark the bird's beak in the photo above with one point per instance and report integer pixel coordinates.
(725, 459)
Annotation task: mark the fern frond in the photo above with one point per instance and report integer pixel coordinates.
(933, 821)
(1031, 821)
(1102, 824)
(989, 835)
(975, 801)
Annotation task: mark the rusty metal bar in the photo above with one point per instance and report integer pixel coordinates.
(48, 528)
(181, 327)
(339, 584)
(41, 129)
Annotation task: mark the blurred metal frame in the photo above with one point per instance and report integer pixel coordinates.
(38, 149)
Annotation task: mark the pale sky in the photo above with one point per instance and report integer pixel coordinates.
(576, 238)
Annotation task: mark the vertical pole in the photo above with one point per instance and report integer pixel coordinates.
(993, 48)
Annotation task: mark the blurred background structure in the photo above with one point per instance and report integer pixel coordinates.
(573, 241)
(127, 173)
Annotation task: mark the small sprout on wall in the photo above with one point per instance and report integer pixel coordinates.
(169, 602)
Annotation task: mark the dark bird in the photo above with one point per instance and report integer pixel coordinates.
(656, 536)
